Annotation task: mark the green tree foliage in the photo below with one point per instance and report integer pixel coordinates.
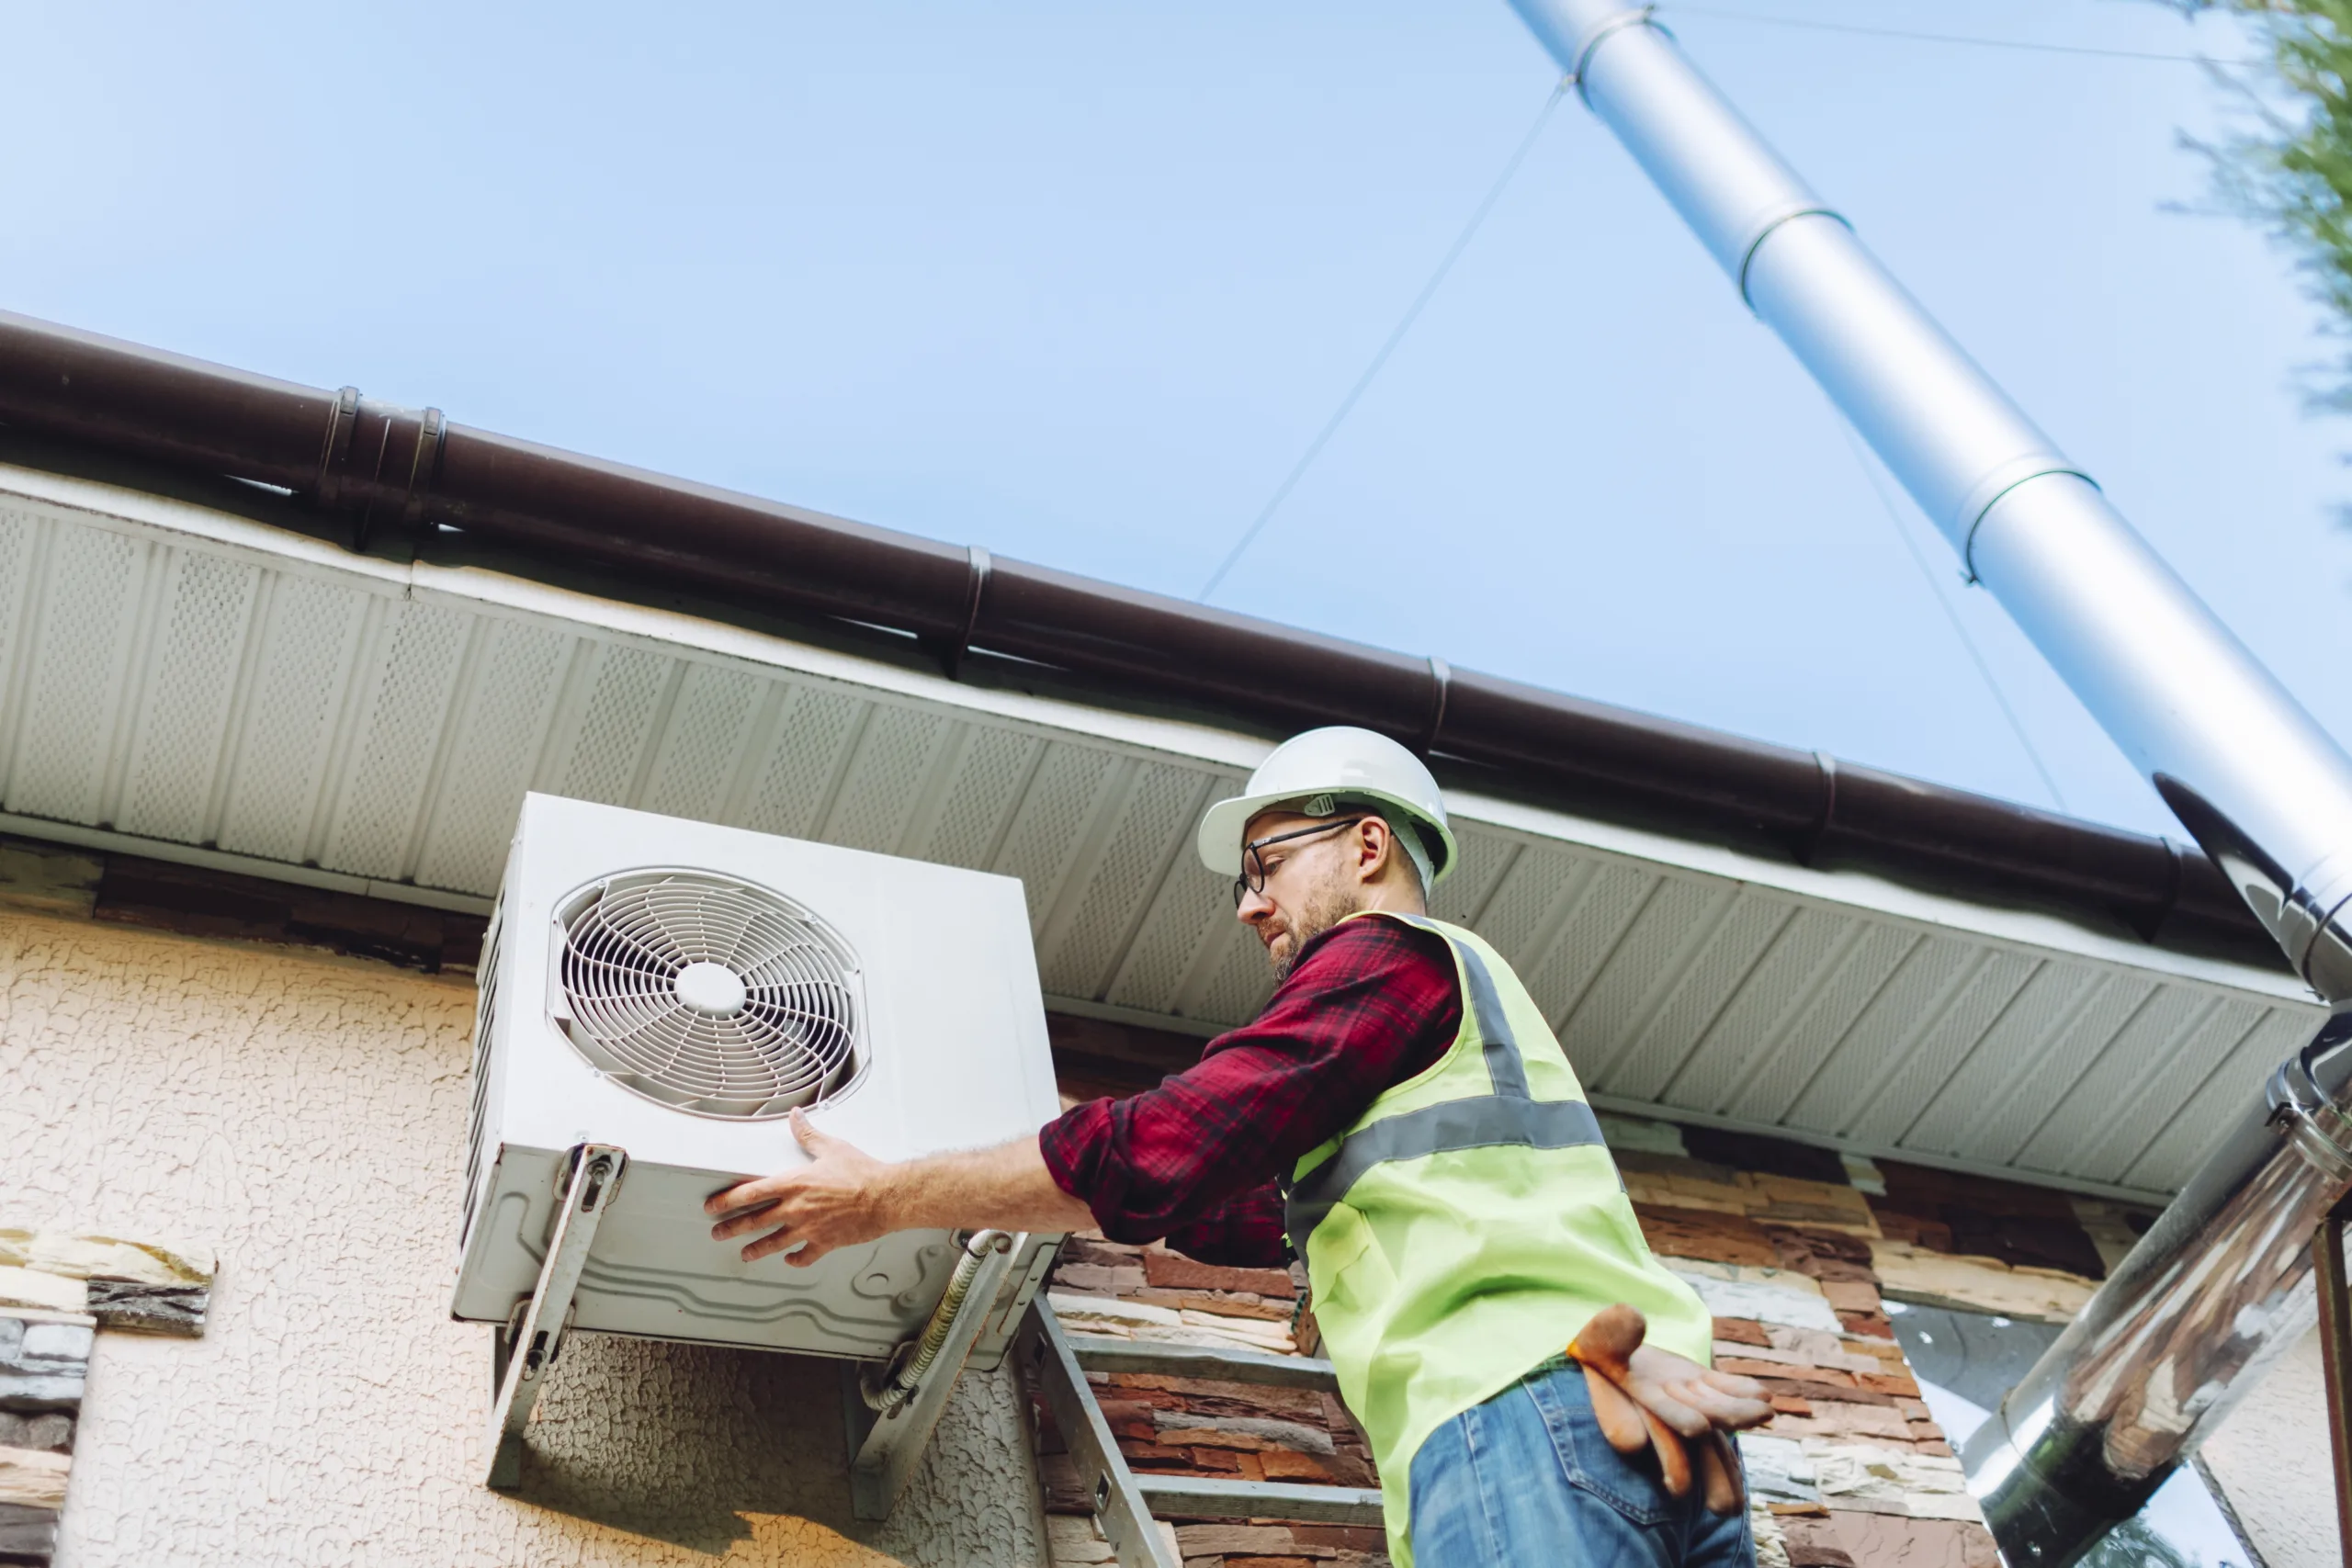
(2291, 169)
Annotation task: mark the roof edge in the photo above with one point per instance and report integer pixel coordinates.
(384, 480)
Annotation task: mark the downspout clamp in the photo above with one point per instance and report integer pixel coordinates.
(2223, 1283)
(2309, 1118)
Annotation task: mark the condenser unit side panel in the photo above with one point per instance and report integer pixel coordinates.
(486, 1097)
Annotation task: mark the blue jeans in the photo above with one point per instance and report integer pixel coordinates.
(1527, 1478)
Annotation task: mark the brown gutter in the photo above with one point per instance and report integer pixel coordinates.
(386, 467)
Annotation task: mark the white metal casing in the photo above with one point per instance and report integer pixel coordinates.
(952, 1054)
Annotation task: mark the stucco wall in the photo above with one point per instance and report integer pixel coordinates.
(2271, 1459)
(305, 1115)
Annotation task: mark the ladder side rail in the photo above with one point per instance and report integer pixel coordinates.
(1119, 1506)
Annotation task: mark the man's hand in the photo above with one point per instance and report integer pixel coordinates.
(841, 1197)
(1642, 1394)
(844, 1196)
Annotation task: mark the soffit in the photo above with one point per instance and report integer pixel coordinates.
(193, 685)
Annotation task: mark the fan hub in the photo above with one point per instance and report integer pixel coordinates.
(712, 989)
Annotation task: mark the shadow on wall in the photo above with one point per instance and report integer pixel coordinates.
(695, 1446)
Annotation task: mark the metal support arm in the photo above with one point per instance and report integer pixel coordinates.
(886, 1446)
(528, 1345)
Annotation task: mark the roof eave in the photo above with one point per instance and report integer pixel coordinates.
(396, 484)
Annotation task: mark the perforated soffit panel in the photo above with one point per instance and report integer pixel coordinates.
(189, 684)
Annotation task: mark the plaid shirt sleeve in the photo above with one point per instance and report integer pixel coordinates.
(1368, 1004)
(1246, 1231)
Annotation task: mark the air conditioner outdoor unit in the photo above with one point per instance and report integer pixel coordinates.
(670, 990)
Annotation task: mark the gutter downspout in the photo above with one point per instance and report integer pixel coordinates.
(2223, 1283)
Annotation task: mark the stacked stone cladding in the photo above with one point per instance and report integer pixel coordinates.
(56, 1290)
(1796, 1250)
(44, 1364)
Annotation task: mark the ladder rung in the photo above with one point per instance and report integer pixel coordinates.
(1100, 1353)
(1198, 1496)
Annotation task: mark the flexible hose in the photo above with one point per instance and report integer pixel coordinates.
(904, 1371)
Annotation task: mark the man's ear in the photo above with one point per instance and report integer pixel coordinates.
(1370, 859)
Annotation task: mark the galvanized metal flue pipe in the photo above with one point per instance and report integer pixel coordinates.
(2187, 1323)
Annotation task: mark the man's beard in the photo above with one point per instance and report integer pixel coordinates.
(1325, 905)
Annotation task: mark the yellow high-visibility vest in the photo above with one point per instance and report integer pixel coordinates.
(1468, 1226)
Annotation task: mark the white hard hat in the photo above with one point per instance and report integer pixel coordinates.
(1348, 766)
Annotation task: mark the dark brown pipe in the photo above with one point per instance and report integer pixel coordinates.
(1275, 675)
(385, 466)
(1750, 786)
(128, 399)
(539, 499)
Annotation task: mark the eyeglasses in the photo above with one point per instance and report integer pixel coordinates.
(1253, 868)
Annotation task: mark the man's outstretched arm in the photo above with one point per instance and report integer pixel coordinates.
(844, 1196)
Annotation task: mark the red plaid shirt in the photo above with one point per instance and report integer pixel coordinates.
(1368, 1004)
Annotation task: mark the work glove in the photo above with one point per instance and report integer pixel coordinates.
(1643, 1396)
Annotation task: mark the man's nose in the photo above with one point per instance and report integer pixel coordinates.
(1253, 908)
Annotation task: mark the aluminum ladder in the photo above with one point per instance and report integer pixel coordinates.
(1123, 1502)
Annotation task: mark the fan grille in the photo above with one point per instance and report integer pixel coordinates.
(707, 993)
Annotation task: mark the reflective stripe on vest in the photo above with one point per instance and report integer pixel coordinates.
(1467, 1223)
(1506, 1117)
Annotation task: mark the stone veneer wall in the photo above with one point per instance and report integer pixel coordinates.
(44, 1363)
(1795, 1251)
(306, 1116)
(56, 1290)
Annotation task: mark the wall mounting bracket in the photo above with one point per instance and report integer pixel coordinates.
(589, 1177)
(885, 1448)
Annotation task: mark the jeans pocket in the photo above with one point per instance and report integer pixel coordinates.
(1627, 1483)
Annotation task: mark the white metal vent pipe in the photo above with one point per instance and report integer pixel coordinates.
(2220, 1285)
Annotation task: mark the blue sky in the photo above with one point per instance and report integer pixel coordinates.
(1079, 282)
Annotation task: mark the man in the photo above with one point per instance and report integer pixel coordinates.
(1402, 1110)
